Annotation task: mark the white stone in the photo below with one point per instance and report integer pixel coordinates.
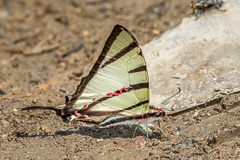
(198, 56)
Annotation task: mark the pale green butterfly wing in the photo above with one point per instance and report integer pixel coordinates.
(118, 81)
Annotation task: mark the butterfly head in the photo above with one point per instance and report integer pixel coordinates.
(68, 115)
(159, 113)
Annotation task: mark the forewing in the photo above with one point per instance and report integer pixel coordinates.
(118, 81)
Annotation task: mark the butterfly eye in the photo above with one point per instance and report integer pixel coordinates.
(158, 114)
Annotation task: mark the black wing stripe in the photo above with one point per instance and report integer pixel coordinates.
(139, 69)
(120, 54)
(140, 86)
(134, 106)
(101, 113)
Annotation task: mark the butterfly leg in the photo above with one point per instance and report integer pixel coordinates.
(145, 130)
(135, 130)
(158, 126)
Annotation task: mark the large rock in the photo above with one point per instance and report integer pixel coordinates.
(200, 56)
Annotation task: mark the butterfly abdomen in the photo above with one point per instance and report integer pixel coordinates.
(146, 118)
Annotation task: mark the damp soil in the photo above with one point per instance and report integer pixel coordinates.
(47, 46)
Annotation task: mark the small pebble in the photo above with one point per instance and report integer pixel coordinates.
(178, 131)
(217, 89)
(10, 138)
(99, 140)
(195, 114)
(4, 14)
(2, 92)
(186, 145)
(140, 141)
(46, 128)
(156, 31)
(4, 122)
(212, 139)
(225, 129)
(85, 33)
(4, 136)
(34, 101)
(15, 65)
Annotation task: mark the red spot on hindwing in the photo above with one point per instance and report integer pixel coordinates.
(109, 94)
(79, 115)
(85, 106)
(76, 114)
(84, 116)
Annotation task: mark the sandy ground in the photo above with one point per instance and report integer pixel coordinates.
(36, 69)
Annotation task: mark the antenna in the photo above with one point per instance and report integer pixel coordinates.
(179, 90)
(152, 107)
(57, 110)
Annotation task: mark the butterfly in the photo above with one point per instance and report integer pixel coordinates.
(116, 87)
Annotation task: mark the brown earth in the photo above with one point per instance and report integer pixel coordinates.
(35, 69)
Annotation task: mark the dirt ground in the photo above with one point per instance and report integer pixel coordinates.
(46, 47)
